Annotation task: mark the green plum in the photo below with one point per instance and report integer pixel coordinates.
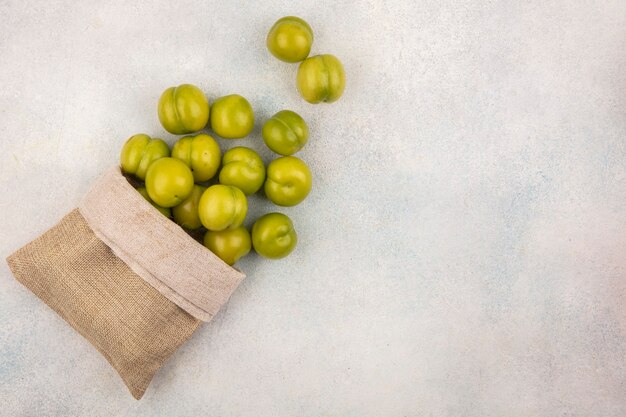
(243, 168)
(186, 213)
(290, 39)
(229, 245)
(273, 236)
(164, 210)
(288, 181)
(285, 132)
(169, 182)
(139, 152)
(321, 78)
(201, 153)
(222, 207)
(232, 117)
(183, 109)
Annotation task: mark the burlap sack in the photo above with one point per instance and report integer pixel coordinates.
(132, 282)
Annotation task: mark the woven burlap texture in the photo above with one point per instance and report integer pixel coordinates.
(129, 280)
(156, 248)
(134, 327)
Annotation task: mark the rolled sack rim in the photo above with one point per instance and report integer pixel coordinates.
(156, 248)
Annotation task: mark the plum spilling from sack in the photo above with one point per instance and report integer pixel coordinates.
(177, 179)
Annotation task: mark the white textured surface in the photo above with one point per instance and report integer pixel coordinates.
(462, 252)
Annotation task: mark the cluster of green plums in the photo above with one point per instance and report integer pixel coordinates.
(320, 78)
(176, 179)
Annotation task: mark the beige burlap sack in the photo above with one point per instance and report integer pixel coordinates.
(132, 282)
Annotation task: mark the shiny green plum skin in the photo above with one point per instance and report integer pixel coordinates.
(139, 152)
(288, 181)
(222, 207)
(273, 236)
(201, 153)
(290, 39)
(229, 245)
(164, 210)
(232, 117)
(285, 132)
(243, 168)
(186, 213)
(321, 78)
(183, 109)
(169, 182)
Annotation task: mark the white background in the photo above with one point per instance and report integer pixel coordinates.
(462, 252)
